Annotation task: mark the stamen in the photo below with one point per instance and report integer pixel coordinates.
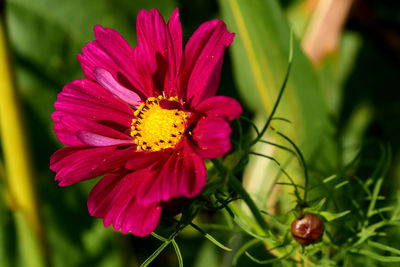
(159, 128)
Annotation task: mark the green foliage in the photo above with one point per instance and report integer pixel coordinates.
(260, 52)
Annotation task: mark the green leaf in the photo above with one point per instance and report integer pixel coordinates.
(330, 178)
(376, 256)
(329, 216)
(320, 204)
(383, 247)
(210, 237)
(369, 232)
(216, 242)
(339, 185)
(379, 173)
(396, 213)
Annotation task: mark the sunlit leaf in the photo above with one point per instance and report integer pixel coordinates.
(260, 56)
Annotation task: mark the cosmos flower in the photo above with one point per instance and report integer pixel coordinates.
(145, 118)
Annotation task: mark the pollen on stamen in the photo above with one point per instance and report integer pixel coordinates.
(159, 128)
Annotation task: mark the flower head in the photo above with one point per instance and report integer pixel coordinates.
(146, 118)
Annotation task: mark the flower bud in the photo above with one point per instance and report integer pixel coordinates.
(308, 229)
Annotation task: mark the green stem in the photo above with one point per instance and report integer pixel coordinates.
(302, 160)
(278, 100)
(237, 186)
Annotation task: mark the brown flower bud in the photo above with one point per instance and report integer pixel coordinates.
(308, 229)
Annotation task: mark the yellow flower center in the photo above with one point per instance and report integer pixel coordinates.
(156, 128)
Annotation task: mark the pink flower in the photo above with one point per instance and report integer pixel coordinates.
(146, 118)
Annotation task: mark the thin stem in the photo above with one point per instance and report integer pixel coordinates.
(238, 187)
(302, 160)
(283, 171)
(251, 123)
(291, 184)
(278, 100)
(281, 119)
(278, 146)
(265, 156)
(240, 134)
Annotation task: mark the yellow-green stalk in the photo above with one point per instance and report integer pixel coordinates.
(18, 166)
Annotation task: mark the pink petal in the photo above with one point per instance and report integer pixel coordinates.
(159, 50)
(87, 99)
(67, 127)
(105, 79)
(85, 105)
(152, 50)
(220, 106)
(212, 137)
(114, 200)
(144, 159)
(175, 31)
(75, 164)
(183, 174)
(65, 130)
(202, 61)
(92, 139)
(146, 71)
(92, 111)
(110, 51)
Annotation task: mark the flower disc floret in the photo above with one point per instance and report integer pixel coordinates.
(156, 128)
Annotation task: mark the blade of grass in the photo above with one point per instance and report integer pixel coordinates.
(18, 166)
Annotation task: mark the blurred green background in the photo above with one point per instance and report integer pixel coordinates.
(350, 93)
